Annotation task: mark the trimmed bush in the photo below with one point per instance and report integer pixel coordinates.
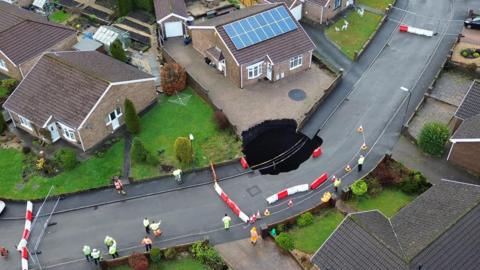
(156, 255)
(117, 52)
(183, 150)
(66, 158)
(305, 219)
(170, 253)
(280, 228)
(433, 137)
(125, 6)
(138, 261)
(285, 241)
(132, 120)
(221, 120)
(205, 254)
(139, 152)
(173, 78)
(359, 187)
(3, 124)
(374, 187)
(415, 183)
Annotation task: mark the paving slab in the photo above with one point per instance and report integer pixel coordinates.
(432, 111)
(452, 86)
(265, 255)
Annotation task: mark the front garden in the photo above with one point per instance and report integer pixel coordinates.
(360, 29)
(59, 16)
(377, 4)
(179, 116)
(388, 188)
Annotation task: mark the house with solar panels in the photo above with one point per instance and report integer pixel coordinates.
(262, 42)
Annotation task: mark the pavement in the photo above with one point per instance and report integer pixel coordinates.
(433, 168)
(374, 100)
(265, 255)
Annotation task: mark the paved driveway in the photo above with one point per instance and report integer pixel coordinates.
(253, 104)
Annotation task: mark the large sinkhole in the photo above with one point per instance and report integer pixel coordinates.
(275, 146)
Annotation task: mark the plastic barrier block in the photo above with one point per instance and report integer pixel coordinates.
(320, 180)
(282, 194)
(317, 152)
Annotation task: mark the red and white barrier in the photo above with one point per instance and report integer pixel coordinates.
(230, 203)
(317, 152)
(287, 192)
(244, 162)
(417, 31)
(28, 226)
(320, 180)
(24, 259)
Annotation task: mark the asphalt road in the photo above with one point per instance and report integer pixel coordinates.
(375, 101)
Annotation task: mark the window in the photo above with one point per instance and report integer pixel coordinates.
(113, 115)
(25, 122)
(68, 133)
(3, 65)
(296, 62)
(338, 3)
(255, 70)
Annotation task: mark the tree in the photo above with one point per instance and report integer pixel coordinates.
(146, 5)
(433, 137)
(139, 152)
(359, 187)
(173, 78)
(125, 6)
(132, 120)
(117, 52)
(3, 124)
(183, 150)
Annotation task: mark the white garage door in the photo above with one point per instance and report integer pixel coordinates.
(173, 29)
(297, 12)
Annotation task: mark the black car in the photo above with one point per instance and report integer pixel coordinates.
(473, 23)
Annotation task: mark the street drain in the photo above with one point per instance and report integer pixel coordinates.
(254, 190)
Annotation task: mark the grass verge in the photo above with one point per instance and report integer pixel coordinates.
(389, 201)
(378, 4)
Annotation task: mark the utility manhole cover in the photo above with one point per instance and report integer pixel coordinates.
(254, 190)
(297, 94)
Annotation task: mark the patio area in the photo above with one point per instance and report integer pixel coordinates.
(470, 40)
(252, 105)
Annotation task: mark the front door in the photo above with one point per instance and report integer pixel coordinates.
(53, 132)
(269, 71)
(114, 118)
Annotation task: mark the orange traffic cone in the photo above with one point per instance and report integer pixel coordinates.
(348, 168)
(290, 203)
(266, 212)
(360, 129)
(364, 147)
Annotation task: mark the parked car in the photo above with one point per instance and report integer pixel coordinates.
(473, 23)
(2, 206)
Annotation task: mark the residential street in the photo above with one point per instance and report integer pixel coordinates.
(375, 101)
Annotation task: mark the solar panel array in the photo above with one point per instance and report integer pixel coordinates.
(260, 27)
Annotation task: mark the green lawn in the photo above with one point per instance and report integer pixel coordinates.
(378, 4)
(357, 34)
(94, 172)
(179, 264)
(168, 120)
(309, 239)
(59, 16)
(3, 92)
(389, 201)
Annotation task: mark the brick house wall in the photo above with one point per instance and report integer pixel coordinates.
(95, 129)
(16, 121)
(465, 154)
(313, 11)
(14, 71)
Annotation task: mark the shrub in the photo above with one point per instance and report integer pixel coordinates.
(285, 241)
(10, 84)
(156, 255)
(26, 149)
(3, 124)
(131, 117)
(476, 54)
(183, 150)
(66, 158)
(173, 78)
(305, 219)
(125, 6)
(464, 53)
(359, 187)
(280, 228)
(374, 187)
(221, 119)
(138, 261)
(170, 253)
(139, 152)
(415, 183)
(433, 137)
(146, 5)
(117, 52)
(206, 254)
